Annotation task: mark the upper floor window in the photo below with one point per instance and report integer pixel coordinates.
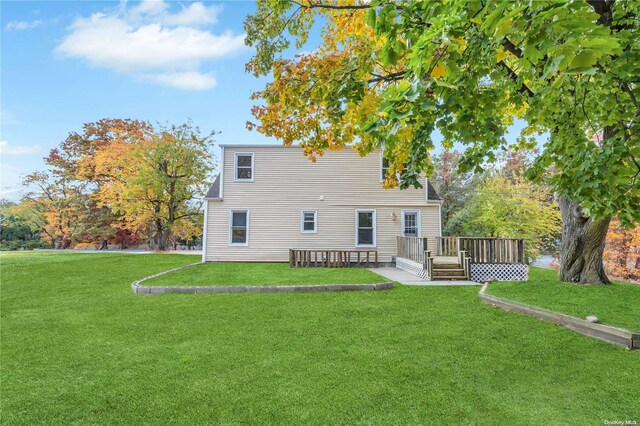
(384, 167)
(309, 221)
(244, 167)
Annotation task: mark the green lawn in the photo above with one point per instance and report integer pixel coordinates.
(617, 304)
(252, 274)
(79, 348)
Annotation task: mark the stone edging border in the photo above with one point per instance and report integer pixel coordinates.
(139, 289)
(607, 333)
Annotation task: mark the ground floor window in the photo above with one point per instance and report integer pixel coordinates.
(309, 221)
(411, 223)
(239, 227)
(365, 228)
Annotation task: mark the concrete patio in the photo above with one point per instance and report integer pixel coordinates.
(406, 278)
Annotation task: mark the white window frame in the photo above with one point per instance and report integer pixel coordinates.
(382, 174)
(315, 221)
(235, 166)
(358, 211)
(418, 221)
(231, 243)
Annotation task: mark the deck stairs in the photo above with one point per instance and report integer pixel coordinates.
(448, 268)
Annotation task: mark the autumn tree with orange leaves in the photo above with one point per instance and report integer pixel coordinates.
(622, 252)
(121, 181)
(154, 180)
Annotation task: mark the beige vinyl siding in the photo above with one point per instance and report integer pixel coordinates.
(286, 183)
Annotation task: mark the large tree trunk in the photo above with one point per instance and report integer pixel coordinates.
(163, 232)
(583, 241)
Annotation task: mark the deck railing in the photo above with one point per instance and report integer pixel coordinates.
(411, 248)
(306, 258)
(447, 246)
(494, 250)
(476, 249)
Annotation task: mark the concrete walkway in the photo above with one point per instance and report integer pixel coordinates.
(406, 278)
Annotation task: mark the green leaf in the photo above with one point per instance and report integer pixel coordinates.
(532, 53)
(395, 114)
(388, 55)
(585, 59)
(371, 18)
(553, 66)
(608, 45)
(582, 70)
(440, 82)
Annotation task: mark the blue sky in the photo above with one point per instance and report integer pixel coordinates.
(67, 63)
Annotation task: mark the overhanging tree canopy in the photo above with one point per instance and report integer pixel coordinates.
(388, 74)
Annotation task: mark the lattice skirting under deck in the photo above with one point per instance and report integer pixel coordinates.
(412, 267)
(482, 272)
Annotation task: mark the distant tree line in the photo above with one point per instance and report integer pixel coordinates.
(117, 182)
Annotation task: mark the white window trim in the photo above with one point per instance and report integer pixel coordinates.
(382, 176)
(375, 226)
(231, 211)
(235, 167)
(315, 221)
(418, 221)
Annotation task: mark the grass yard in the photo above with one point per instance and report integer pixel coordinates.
(252, 274)
(617, 304)
(79, 348)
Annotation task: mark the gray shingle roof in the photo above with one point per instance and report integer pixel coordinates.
(214, 191)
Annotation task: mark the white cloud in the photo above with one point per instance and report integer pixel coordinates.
(150, 7)
(166, 48)
(195, 14)
(7, 149)
(22, 25)
(188, 80)
(110, 42)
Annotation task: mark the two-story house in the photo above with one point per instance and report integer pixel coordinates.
(268, 199)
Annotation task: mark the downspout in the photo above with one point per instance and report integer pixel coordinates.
(204, 231)
(221, 195)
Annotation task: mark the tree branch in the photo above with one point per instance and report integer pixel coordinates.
(331, 6)
(512, 48)
(603, 8)
(395, 76)
(523, 87)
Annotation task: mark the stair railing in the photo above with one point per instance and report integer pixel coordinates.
(428, 264)
(464, 260)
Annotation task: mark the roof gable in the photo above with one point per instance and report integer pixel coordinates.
(214, 191)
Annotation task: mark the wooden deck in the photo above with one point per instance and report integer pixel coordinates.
(451, 257)
(478, 249)
(307, 258)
